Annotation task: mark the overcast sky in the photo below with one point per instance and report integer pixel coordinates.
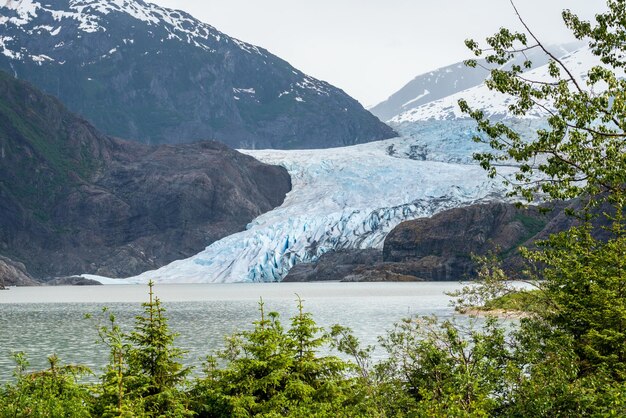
(371, 48)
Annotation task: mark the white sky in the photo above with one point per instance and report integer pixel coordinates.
(371, 48)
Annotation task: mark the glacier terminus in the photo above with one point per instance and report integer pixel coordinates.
(342, 198)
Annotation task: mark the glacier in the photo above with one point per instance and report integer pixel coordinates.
(351, 197)
(348, 197)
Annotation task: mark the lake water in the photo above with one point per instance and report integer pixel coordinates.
(44, 320)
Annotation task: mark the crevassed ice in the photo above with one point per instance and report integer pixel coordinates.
(341, 198)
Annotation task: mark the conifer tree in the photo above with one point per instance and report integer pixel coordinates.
(154, 361)
(144, 376)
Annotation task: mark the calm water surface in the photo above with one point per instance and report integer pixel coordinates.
(44, 320)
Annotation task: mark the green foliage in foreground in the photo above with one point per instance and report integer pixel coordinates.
(276, 372)
(581, 154)
(54, 392)
(568, 359)
(524, 301)
(431, 368)
(144, 376)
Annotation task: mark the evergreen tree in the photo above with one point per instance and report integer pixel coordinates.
(54, 392)
(154, 362)
(271, 371)
(144, 376)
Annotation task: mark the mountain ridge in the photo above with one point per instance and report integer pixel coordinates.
(139, 71)
(494, 104)
(451, 79)
(73, 200)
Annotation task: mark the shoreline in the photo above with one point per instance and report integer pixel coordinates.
(498, 313)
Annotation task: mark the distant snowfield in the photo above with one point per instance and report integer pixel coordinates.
(493, 103)
(341, 198)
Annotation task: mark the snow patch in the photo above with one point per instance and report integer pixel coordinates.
(426, 93)
(43, 27)
(26, 10)
(4, 49)
(40, 58)
(310, 83)
(89, 13)
(242, 90)
(493, 103)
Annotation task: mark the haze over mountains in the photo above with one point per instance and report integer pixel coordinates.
(142, 72)
(493, 104)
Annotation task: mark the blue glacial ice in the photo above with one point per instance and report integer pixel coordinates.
(347, 197)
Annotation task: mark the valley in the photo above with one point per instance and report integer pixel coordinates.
(344, 198)
(198, 213)
(264, 245)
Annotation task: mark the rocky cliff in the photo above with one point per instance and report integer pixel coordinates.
(75, 201)
(14, 274)
(440, 247)
(334, 265)
(142, 72)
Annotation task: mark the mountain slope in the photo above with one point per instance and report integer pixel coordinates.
(428, 87)
(142, 72)
(446, 81)
(73, 200)
(494, 105)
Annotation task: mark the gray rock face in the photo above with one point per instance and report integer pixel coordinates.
(74, 201)
(355, 266)
(156, 75)
(72, 281)
(334, 265)
(13, 273)
(440, 248)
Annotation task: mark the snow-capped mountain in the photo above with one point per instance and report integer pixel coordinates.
(428, 87)
(494, 104)
(446, 81)
(347, 197)
(140, 71)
